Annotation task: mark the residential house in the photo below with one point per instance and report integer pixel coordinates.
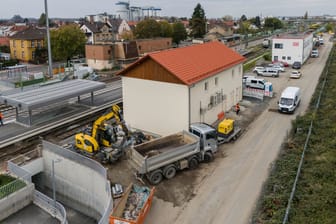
(164, 92)
(97, 32)
(107, 56)
(119, 27)
(24, 43)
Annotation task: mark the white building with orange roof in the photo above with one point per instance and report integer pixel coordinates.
(164, 92)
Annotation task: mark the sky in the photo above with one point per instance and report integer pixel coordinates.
(178, 8)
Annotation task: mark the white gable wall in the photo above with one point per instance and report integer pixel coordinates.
(158, 107)
(293, 49)
(229, 85)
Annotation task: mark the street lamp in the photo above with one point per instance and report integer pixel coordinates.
(53, 181)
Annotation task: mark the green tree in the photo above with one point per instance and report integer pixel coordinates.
(42, 20)
(67, 42)
(179, 32)
(147, 28)
(305, 15)
(166, 29)
(273, 23)
(243, 18)
(198, 22)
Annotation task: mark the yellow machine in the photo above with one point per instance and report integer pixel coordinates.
(104, 136)
(225, 127)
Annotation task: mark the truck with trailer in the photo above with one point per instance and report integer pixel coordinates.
(163, 157)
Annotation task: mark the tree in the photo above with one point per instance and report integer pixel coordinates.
(198, 22)
(243, 18)
(179, 32)
(42, 20)
(273, 23)
(147, 28)
(67, 42)
(305, 15)
(127, 35)
(166, 29)
(257, 21)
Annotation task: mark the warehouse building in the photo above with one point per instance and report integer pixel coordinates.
(292, 47)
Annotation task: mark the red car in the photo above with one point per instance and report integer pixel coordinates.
(283, 63)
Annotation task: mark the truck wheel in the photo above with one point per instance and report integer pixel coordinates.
(193, 163)
(155, 177)
(208, 157)
(169, 172)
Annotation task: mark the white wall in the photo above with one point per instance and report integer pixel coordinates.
(99, 64)
(158, 107)
(229, 83)
(298, 49)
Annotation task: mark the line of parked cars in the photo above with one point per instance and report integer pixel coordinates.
(271, 70)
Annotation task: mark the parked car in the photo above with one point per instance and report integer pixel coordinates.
(295, 74)
(253, 82)
(281, 63)
(278, 67)
(296, 65)
(314, 53)
(269, 71)
(246, 76)
(259, 69)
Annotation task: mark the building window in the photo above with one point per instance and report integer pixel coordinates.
(38, 44)
(283, 57)
(32, 43)
(206, 86)
(278, 46)
(239, 69)
(14, 54)
(216, 81)
(289, 58)
(14, 45)
(22, 43)
(22, 54)
(33, 54)
(276, 58)
(233, 73)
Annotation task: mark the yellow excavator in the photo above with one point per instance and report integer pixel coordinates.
(108, 137)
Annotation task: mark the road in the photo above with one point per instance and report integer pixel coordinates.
(229, 194)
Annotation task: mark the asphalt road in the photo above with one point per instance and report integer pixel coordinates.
(229, 194)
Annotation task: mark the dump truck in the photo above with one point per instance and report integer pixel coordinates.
(164, 156)
(133, 206)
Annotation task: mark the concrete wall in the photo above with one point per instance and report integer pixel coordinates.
(229, 85)
(162, 107)
(81, 183)
(35, 166)
(100, 64)
(16, 201)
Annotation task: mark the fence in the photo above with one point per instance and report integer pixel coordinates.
(11, 187)
(317, 105)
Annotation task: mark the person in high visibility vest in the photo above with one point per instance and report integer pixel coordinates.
(1, 118)
(237, 108)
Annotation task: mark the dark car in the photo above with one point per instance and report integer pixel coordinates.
(296, 65)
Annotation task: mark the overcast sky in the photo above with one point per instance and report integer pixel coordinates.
(179, 8)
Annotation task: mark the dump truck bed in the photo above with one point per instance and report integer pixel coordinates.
(163, 151)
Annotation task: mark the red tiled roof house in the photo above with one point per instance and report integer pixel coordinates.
(164, 92)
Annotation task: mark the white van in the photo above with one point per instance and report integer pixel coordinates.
(273, 72)
(289, 100)
(254, 82)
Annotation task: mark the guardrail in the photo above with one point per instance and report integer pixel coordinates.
(47, 204)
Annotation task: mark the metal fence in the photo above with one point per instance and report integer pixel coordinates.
(11, 187)
(317, 105)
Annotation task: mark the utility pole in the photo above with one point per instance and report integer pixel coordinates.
(48, 40)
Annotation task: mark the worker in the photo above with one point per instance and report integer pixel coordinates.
(237, 108)
(1, 117)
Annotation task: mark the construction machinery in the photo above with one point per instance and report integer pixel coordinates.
(108, 137)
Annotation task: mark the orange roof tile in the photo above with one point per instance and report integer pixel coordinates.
(196, 62)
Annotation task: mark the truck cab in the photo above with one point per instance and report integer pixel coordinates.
(207, 135)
